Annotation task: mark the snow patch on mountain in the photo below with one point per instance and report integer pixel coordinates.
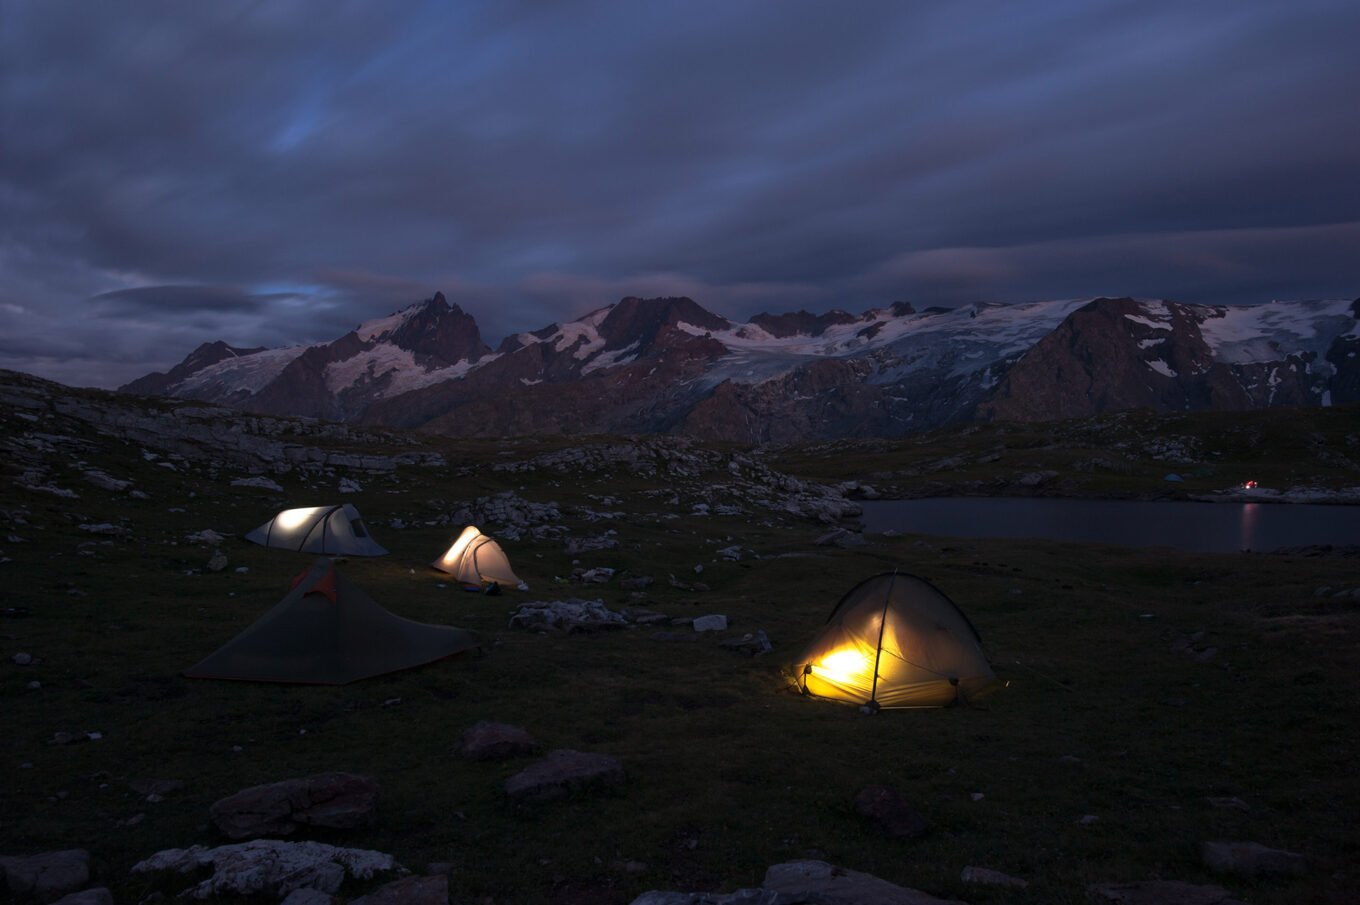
(407, 373)
(1256, 333)
(610, 359)
(251, 373)
(370, 331)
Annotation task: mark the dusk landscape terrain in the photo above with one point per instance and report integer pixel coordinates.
(679, 455)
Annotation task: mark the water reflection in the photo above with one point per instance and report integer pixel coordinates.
(1249, 526)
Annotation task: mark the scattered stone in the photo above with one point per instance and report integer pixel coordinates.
(23, 659)
(207, 537)
(409, 891)
(752, 643)
(885, 807)
(636, 582)
(217, 562)
(98, 895)
(562, 773)
(1035, 478)
(711, 623)
(495, 741)
(571, 615)
(268, 866)
(105, 481)
(308, 897)
(977, 796)
(349, 485)
(588, 544)
(840, 537)
(331, 800)
(699, 569)
(818, 881)
(1088, 820)
(732, 553)
(1251, 859)
(71, 738)
(988, 877)
(1232, 802)
(1161, 892)
(595, 576)
(47, 876)
(104, 528)
(260, 483)
(156, 786)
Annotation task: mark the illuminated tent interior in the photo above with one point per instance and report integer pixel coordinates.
(475, 558)
(328, 631)
(896, 640)
(329, 530)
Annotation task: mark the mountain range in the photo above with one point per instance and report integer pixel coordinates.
(668, 365)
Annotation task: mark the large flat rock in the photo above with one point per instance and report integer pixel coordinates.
(330, 800)
(564, 772)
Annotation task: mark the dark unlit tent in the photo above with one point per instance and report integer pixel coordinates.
(336, 530)
(328, 631)
(896, 640)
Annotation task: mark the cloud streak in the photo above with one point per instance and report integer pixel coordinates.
(299, 166)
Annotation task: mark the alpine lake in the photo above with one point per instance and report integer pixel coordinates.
(1155, 699)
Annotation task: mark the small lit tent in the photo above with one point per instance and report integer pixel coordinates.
(330, 530)
(896, 641)
(476, 558)
(329, 632)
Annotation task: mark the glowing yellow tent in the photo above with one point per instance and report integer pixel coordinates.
(332, 530)
(896, 640)
(475, 558)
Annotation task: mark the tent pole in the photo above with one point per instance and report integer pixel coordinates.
(878, 649)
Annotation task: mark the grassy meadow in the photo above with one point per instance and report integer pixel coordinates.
(1114, 707)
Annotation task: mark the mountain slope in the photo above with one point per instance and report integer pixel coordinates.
(669, 365)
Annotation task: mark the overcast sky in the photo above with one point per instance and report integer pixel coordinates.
(275, 172)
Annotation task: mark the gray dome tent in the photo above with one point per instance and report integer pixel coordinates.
(895, 640)
(327, 631)
(330, 530)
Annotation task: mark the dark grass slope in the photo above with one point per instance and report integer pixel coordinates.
(729, 770)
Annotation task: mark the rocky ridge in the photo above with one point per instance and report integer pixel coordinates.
(668, 365)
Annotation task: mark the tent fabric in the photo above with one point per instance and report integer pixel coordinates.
(329, 530)
(896, 640)
(327, 631)
(476, 558)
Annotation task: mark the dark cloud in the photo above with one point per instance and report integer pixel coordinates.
(180, 299)
(334, 161)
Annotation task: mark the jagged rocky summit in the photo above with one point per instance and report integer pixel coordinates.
(668, 365)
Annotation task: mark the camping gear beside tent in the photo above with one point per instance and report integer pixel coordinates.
(327, 631)
(475, 558)
(896, 640)
(330, 530)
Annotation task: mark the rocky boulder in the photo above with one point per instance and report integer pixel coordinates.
(268, 867)
(562, 773)
(1161, 892)
(46, 877)
(495, 741)
(804, 883)
(571, 615)
(409, 891)
(330, 800)
(1251, 859)
(885, 807)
